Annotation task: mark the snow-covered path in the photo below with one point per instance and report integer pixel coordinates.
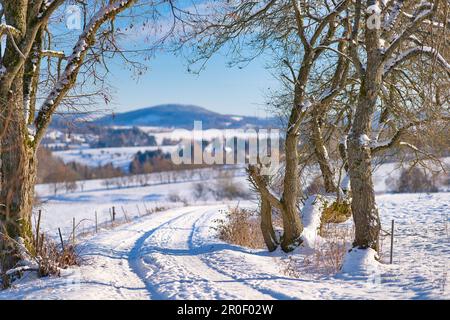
(169, 260)
(105, 273)
(175, 255)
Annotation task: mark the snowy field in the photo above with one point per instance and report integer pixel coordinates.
(120, 157)
(175, 253)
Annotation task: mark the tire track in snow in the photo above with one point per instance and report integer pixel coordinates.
(138, 266)
(253, 280)
(173, 269)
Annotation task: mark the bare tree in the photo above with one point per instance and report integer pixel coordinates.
(388, 43)
(26, 26)
(298, 34)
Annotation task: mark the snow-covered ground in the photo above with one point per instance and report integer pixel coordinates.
(175, 253)
(207, 134)
(59, 210)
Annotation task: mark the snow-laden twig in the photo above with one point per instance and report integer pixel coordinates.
(53, 53)
(392, 16)
(408, 30)
(9, 30)
(411, 52)
(74, 63)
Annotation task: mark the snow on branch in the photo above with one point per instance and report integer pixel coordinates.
(260, 184)
(74, 63)
(392, 17)
(48, 7)
(53, 53)
(430, 22)
(411, 52)
(377, 146)
(9, 30)
(419, 17)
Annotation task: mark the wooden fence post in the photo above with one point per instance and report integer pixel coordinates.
(38, 226)
(61, 239)
(73, 231)
(125, 214)
(392, 242)
(139, 211)
(96, 222)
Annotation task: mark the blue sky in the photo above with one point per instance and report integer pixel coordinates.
(218, 87)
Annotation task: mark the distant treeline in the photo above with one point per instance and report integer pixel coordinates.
(52, 169)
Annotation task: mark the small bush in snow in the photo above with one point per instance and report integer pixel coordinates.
(241, 227)
(229, 190)
(200, 191)
(315, 187)
(44, 258)
(51, 258)
(175, 197)
(413, 180)
(226, 187)
(328, 254)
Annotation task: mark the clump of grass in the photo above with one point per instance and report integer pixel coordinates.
(330, 251)
(51, 259)
(337, 212)
(156, 209)
(328, 254)
(44, 257)
(240, 227)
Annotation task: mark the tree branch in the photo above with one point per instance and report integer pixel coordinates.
(260, 184)
(415, 51)
(74, 63)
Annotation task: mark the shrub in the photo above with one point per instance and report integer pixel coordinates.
(175, 197)
(337, 212)
(315, 187)
(226, 187)
(327, 256)
(200, 190)
(413, 180)
(240, 227)
(44, 258)
(51, 259)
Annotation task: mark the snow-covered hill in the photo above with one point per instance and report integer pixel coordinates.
(183, 116)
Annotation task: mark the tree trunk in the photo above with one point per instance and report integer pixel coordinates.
(292, 223)
(364, 209)
(267, 226)
(17, 176)
(321, 154)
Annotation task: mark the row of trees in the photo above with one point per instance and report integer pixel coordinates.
(362, 73)
(342, 64)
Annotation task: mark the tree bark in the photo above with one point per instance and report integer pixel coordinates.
(267, 226)
(364, 209)
(292, 224)
(17, 175)
(321, 154)
(287, 205)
